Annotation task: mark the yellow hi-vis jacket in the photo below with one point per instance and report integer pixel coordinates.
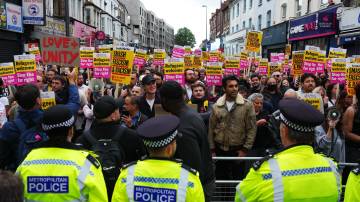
(352, 189)
(158, 180)
(294, 174)
(58, 174)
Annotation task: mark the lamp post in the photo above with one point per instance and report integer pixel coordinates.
(206, 21)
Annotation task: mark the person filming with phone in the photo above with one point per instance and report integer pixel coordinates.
(131, 115)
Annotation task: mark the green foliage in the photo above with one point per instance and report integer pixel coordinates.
(184, 37)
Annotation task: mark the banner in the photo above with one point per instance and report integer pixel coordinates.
(47, 99)
(310, 59)
(178, 52)
(338, 70)
(35, 51)
(7, 73)
(101, 64)
(253, 41)
(121, 67)
(140, 58)
(263, 66)
(321, 62)
(214, 73)
(313, 99)
(297, 62)
(59, 50)
(188, 60)
(337, 53)
(274, 57)
(232, 66)
(86, 57)
(174, 70)
(197, 62)
(352, 77)
(244, 63)
(159, 57)
(33, 12)
(214, 56)
(25, 67)
(105, 48)
(274, 67)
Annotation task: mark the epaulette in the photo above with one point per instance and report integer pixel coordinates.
(188, 168)
(356, 171)
(177, 160)
(93, 160)
(128, 165)
(257, 164)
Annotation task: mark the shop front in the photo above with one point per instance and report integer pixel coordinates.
(349, 27)
(316, 29)
(274, 39)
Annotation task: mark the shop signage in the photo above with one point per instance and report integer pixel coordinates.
(13, 18)
(53, 27)
(33, 12)
(83, 31)
(350, 19)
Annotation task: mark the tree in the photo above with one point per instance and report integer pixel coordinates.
(184, 37)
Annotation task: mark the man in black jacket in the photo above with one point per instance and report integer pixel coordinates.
(106, 126)
(150, 97)
(193, 147)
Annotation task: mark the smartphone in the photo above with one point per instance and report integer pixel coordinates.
(125, 113)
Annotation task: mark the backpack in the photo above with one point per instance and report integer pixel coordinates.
(30, 138)
(110, 155)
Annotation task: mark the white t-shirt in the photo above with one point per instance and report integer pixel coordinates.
(3, 118)
(4, 101)
(188, 91)
(151, 103)
(229, 105)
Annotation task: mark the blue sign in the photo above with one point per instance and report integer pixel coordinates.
(14, 18)
(149, 194)
(319, 24)
(48, 184)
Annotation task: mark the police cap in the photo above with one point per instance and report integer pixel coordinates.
(159, 131)
(299, 115)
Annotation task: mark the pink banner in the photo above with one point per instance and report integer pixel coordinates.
(281, 57)
(175, 77)
(274, 57)
(9, 80)
(213, 80)
(232, 71)
(338, 77)
(86, 63)
(285, 68)
(309, 67)
(244, 64)
(178, 52)
(213, 59)
(158, 62)
(25, 78)
(102, 72)
(82, 31)
(263, 70)
(320, 68)
(139, 61)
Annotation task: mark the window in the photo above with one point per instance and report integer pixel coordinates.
(237, 27)
(268, 18)
(233, 12)
(237, 48)
(260, 3)
(298, 4)
(250, 23)
(243, 26)
(237, 10)
(232, 29)
(283, 11)
(259, 22)
(250, 4)
(102, 24)
(87, 16)
(244, 8)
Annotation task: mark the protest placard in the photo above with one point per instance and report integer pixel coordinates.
(47, 99)
(188, 50)
(288, 49)
(352, 77)
(253, 41)
(121, 66)
(263, 66)
(321, 62)
(25, 67)
(244, 63)
(338, 70)
(174, 70)
(197, 61)
(178, 52)
(86, 57)
(337, 53)
(159, 57)
(310, 59)
(297, 62)
(274, 57)
(205, 56)
(198, 52)
(214, 56)
(188, 60)
(214, 73)
(35, 51)
(101, 63)
(314, 99)
(106, 48)
(7, 73)
(232, 66)
(274, 67)
(140, 58)
(60, 50)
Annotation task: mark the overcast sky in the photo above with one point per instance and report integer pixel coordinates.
(184, 13)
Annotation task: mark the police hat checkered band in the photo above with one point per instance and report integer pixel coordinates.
(296, 127)
(160, 143)
(68, 123)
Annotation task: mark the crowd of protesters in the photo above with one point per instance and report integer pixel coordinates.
(238, 119)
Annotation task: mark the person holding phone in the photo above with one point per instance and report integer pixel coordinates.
(131, 115)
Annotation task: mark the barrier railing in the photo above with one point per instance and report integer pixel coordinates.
(225, 189)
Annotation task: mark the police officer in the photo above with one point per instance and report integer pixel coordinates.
(59, 170)
(159, 177)
(352, 192)
(296, 173)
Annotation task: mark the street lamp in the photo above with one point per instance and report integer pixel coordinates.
(205, 21)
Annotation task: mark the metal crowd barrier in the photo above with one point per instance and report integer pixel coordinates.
(225, 189)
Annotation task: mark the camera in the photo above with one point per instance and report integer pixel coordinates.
(333, 114)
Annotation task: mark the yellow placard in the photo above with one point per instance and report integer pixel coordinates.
(297, 63)
(232, 63)
(6, 69)
(159, 54)
(121, 66)
(253, 41)
(315, 102)
(205, 56)
(288, 49)
(338, 66)
(86, 53)
(101, 61)
(274, 67)
(197, 62)
(212, 69)
(311, 55)
(25, 65)
(188, 60)
(352, 77)
(337, 53)
(47, 100)
(172, 67)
